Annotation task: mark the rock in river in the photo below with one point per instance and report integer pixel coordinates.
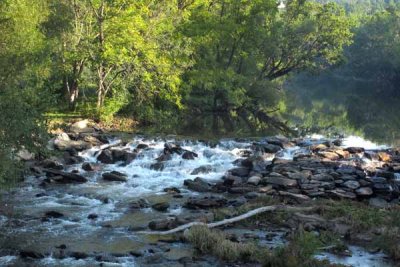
(65, 177)
(198, 185)
(205, 203)
(115, 176)
(189, 155)
(106, 157)
(163, 206)
(202, 169)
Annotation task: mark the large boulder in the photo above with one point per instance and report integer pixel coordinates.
(106, 157)
(198, 185)
(241, 172)
(281, 181)
(65, 145)
(51, 164)
(364, 192)
(65, 177)
(256, 163)
(170, 148)
(266, 148)
(123, 155)
(254, 180)
(329, 155)
(351, 184)
(115, 176)
(162, 206)
(81, 127)
(163, 224)
(205, 202)
(339, 193)
(89, 167)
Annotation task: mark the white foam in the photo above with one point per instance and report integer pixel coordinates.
(7, 260)
(288, 153)
(356, 141)
(142, 180)
(359, 258)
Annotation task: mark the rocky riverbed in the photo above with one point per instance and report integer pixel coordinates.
(85, 205)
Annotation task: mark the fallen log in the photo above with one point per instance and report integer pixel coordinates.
(230, 220)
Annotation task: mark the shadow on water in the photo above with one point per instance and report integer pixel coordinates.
(211, 126)
(323, 104)
(331, 103)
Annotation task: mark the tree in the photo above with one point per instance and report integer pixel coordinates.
(69, 33)
(22, 68)
(245, 48)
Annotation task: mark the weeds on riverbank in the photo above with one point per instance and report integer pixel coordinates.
(300, 250)
(216, 243)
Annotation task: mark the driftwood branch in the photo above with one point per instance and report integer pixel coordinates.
(230, 220)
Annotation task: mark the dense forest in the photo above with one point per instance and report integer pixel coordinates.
(200, 133)
(166, 60)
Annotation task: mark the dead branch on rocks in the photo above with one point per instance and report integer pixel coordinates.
(230, 220)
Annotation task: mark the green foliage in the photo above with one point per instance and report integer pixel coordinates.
(358, 215)
(361, 94)
(244, 49)
(22, 69)
(216, 243)
(299, 252)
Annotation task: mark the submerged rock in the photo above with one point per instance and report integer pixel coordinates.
(189, 155)
(163, 206)
(139, 204)
(202, 169)
(158, 166)
(53, 214)
(30, 254)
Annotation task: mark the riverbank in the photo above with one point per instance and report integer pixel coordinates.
(87, 204)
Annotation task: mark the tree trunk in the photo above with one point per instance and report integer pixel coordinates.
(101, 87)
(101, 68)
(73, 94)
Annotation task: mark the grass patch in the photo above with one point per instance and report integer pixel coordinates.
(299, 252)
(389, 242)
(216, 243)
(356, 214)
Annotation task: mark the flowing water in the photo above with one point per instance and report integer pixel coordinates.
(23, 227)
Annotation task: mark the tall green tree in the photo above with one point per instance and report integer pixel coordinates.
(244, 49)
(23, 68)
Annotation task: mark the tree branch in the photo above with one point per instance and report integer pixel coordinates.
(231, 220)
